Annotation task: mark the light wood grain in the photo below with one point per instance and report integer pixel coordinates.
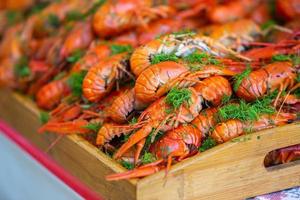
(72, 152)
(228, 171)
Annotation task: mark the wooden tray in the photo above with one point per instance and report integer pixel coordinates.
(233, 170)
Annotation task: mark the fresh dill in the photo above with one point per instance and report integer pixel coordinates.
(127, 164)
(281, 57)
(13, 17)
(207, 144)
(201, 58)
(53, 20)
(247, 111)
(134, 120)
(176, 97)
(225, 99)
(44, 117)
(59, 76)
(161, 57)
(267, 25)
(116, 48)
(185, 32)
(75, 56)
(240, 77)
(74, 15)
(75, 82)
(93, 126)
(21, 68)
(147, 158)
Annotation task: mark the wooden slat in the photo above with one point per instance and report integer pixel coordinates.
(228, 171)
(75, 154)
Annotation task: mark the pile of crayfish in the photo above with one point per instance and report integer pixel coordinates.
(152, 83)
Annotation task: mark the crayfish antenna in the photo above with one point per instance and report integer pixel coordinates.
(285, 98)
(142, 171)
(52, 144)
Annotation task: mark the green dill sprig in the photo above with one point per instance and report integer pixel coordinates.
(184, 32)
(207, 144)
(161, 57)
(74, 15)
(201, 58)
(37, 8)
(267, 25)
(75, 56)
(225, 99)
(13, 17)
(21, 68)
(247, 111)
(93, 126)
(53, 20)
(149, 139)
(147, 158)
(281, 57)
(75, 82)
(44, 117)
(127, 165)
(118, 48)
(176, 97)
(240, 77)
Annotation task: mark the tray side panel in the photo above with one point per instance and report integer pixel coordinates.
(229, 171)
(73, 153)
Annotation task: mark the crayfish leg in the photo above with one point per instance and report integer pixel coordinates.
(133, 139)
(140, 145)
(142, 171)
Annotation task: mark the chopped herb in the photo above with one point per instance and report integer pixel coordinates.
(21, 68)
(157, 58)
(195, 67)
(268, 24)
(133, 120)
(75, 82)
(13, 17)
(295, 59)
(225, 99)
(195, 57)
(176, 97)
(38, 7)
(126, 137)
(93, 126)
(75, 56)
(240, 77)
(44, 117)
(242, 138)
(59, 76)
(201, 58)
(53, 20)
(148, 158)
(185, 32)
(116, 49)
(281, 57)
(207, 144)
(258, 137)
(127, 165)
(246, 111)
(74, 15)
(94, 7)
(150, 138)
